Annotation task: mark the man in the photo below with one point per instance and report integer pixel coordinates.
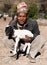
(22, 22)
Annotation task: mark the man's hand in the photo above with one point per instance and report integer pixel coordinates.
(27, 39)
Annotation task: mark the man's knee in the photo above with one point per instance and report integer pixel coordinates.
(36, 45)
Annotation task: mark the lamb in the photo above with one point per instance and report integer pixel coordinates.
(19, 34)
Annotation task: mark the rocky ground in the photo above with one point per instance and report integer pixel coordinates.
(5, 47)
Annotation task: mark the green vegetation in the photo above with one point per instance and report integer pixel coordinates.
(14, 8)
(6, 8)
(45, 16)
(33, 11)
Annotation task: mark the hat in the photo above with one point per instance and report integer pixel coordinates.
(22, 7)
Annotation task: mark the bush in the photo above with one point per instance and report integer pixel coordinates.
(6, 7)
(32, 12)
(1, 7)
(14, 8)
(45, 16)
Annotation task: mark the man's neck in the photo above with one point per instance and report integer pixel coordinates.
(21, 24)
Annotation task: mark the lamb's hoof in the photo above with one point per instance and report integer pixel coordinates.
(11, 52)
(27, 55)
(13, 55)
(24, 54)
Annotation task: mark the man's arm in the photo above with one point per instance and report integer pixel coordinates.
(36, 30)
(27, 39)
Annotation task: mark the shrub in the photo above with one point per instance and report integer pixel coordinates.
(6, 7)
(45, 16)
(1, 7)
(32, 12)
(14, 8)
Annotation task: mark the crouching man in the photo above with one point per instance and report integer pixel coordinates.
(22, 22)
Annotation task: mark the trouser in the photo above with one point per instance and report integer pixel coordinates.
(36, 45)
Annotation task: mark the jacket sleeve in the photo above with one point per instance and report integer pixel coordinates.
(36, 30)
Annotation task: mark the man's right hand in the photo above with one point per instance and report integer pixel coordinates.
(27, 39)
(14, 37)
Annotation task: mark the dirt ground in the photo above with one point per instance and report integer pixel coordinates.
(5, 45)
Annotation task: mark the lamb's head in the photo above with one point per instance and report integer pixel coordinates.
(9, 31)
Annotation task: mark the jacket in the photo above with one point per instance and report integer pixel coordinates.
(30, 25)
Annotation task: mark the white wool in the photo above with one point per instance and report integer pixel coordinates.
(21, 34)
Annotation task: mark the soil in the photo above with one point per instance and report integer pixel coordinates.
(5, 47)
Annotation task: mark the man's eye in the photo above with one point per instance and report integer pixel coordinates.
(22, 16)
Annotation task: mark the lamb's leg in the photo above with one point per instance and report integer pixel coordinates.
(28, 48)
(16, 46)
(25, 46)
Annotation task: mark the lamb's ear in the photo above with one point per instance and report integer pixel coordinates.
(6, 28)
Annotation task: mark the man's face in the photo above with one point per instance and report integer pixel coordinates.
(22, 18)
